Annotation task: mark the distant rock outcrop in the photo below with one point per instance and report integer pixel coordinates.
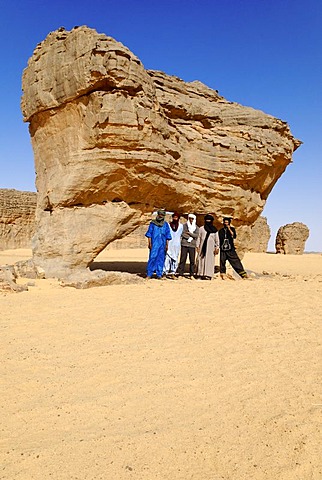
(260, 235)
(17, 218)
(113, 141)
(291, 238)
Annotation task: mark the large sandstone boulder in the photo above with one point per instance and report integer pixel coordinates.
(17, 218)
(113, 141)
(291, 238)
(260, 235)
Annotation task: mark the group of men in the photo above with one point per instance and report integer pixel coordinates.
(166, 241)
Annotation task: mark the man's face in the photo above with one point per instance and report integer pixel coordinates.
(226, 223)
(190, 219)
(175, 218)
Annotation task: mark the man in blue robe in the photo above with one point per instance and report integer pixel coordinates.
(158, 236)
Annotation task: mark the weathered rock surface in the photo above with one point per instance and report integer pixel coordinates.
(28, 269)
(113, 141)
(260, 235)
(135, 239)
(17, 218)
(291, 238)
(8, 280)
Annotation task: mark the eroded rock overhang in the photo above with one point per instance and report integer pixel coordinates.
(113, 141)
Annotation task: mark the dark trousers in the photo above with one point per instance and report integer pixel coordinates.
(185, 251)
(233, 259)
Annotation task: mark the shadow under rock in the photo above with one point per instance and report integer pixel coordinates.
(138, 268)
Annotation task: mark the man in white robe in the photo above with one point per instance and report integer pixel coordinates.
(171, 259)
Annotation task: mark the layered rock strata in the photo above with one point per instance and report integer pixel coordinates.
(291, 238)
(17, 218)
(113, 141)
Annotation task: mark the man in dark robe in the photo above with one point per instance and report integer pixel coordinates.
(227, 234)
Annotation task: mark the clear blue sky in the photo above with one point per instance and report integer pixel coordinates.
(266, 54)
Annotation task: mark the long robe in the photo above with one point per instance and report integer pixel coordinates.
(171, 258)
(206, 264)
(159, 237)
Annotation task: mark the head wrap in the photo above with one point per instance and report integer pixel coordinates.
(192, 226)
(159, 220)
(174, 224)
(210, 228)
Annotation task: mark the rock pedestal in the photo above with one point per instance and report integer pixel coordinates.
(113, 141)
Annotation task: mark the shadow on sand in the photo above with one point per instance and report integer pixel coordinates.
(139, 268)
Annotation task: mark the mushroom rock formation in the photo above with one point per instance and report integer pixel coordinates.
(17, 218)
(260, 235)
(113, 141)
(291, 238)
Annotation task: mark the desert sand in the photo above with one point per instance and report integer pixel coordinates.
(174, 379)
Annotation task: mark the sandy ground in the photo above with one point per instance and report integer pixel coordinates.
(174, 379)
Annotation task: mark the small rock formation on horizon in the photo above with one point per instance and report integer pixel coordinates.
(113, 142)
(17, 218)
(260, 235)
(291, 238)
